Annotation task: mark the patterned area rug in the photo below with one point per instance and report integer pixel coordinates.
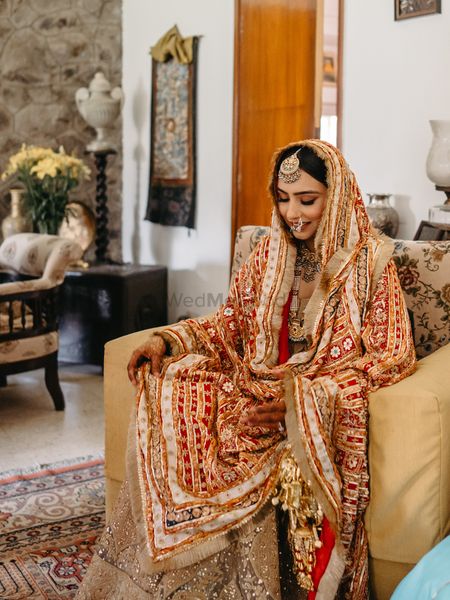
(50, 518)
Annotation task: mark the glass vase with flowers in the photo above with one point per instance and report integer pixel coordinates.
(48, 177)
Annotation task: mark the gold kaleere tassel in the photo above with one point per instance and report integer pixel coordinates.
(305, 519)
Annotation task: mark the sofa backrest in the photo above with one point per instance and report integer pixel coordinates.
(424, 272)
(39, 255)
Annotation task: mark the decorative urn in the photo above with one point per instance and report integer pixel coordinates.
(382, 215)
(99, 106)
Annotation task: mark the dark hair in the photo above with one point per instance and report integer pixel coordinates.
(309, 162)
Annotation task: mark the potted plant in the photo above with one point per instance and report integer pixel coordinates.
(48, 176)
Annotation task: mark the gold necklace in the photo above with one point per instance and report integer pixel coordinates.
(307, 266)
(309, 263)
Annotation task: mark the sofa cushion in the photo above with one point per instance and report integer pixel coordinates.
(424, 272)
(409, 462)
(27, 348)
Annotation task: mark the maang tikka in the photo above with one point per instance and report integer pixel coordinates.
(289, 170)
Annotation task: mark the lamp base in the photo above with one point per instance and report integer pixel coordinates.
(446, 190)
(439, 214)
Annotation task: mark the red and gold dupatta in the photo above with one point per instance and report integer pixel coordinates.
(202, 477)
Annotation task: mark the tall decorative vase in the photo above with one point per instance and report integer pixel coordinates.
(438, 160)
(382, 215)
(16, 221)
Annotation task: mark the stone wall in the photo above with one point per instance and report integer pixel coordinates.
(48, 49)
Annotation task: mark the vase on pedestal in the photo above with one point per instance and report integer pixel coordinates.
(16, 221)
(438, 159)
(438, 168)
(382, 215)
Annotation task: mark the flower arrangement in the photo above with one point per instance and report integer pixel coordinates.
(48, 176)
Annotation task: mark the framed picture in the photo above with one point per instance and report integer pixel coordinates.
(405, 9)
(329, 69)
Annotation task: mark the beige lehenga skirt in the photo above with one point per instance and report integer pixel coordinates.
(247, 569)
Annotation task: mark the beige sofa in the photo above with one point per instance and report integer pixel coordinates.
(409, 449)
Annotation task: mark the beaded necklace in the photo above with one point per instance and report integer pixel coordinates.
(306, 268)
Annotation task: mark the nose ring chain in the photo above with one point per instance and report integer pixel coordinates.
(297, 226)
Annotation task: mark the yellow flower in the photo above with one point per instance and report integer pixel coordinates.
(41, 162)
(48, 176)
(46, 166)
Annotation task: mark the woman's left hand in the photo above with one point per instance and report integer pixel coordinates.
(268, 414)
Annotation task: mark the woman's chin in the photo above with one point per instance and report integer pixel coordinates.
(303, 235)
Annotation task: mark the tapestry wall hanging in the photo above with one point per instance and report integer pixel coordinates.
(171, 199)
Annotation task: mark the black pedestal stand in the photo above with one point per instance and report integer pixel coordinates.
(101, 208)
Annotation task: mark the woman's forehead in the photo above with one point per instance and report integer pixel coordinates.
(305, 182)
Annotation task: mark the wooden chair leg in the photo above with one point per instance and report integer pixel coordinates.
(3, 381)
(52, 382)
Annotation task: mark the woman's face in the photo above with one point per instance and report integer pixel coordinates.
(304, 200)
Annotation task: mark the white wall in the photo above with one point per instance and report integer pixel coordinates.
(198, 260)
(396, 76)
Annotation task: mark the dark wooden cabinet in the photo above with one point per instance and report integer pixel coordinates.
(105, 302)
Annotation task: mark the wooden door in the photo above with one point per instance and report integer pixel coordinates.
(274, 85)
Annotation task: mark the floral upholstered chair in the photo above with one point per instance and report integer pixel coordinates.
(32, 268)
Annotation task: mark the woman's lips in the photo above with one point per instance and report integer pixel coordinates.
(302, 225)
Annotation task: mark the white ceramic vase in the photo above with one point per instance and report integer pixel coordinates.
(438, 160)
(100, 106)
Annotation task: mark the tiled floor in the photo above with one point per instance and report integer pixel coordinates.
(32, 432)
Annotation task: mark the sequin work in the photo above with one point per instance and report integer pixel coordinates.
(246, 570)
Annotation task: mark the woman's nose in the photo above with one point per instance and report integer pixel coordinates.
(292, 213)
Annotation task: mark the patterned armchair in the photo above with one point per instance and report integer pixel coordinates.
(409, 429)
(32, 268)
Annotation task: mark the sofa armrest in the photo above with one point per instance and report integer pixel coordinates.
(409, 462)
(119, 396)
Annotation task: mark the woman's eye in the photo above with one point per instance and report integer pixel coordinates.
(308, 202)
(279, 199)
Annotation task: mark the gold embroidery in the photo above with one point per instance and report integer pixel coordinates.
(305, 519)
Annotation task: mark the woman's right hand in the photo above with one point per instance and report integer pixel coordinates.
(152, 350)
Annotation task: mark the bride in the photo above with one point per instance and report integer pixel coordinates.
(247, 461)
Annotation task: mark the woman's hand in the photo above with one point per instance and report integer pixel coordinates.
(153, 350)
(268, 414)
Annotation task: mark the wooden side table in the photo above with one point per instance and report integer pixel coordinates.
(105, 302)
(432, 231)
